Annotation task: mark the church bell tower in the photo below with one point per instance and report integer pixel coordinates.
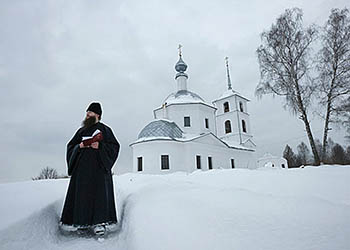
(232, 117)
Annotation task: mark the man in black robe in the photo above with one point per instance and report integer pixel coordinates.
(90, 198)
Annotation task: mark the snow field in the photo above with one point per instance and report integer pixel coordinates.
(270, 209)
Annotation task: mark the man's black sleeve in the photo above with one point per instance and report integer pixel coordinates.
(108, 150)
(73, 151)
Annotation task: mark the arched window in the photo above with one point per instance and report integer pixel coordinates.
(228, 127)
(226, 107)
(244, 128)
(241, 106)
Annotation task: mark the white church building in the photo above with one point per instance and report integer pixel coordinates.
(270, 161)
(188, 133)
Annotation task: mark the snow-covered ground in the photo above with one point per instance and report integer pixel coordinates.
(237, 209)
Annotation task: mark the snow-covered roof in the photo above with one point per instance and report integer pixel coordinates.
(184, 96)
(229, 93)
(163, 136)
(237, 145)
(268, 156)
(161, 128)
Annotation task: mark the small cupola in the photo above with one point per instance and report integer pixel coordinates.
(181, 77)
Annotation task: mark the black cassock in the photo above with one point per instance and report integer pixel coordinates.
(90, 196)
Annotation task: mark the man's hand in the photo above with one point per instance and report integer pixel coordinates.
(94, 145)
(81, 145)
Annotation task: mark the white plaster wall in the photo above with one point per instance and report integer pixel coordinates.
(151, 156)
(198, 112)
(276, 161)
(235, 116)
(182, 156)
(232, 116)
(221, 156)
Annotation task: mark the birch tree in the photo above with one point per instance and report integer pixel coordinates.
(284, 57)
(334, 70)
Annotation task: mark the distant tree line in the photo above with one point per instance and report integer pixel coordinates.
(309, 80)
(334, 154)
(48, 173)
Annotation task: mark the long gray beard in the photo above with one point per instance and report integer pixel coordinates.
(88, 122)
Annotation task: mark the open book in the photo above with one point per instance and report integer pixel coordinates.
(96, 136)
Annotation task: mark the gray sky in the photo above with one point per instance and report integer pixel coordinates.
(58, 56)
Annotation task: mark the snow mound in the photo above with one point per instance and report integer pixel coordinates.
(40, 231)
(300, 209)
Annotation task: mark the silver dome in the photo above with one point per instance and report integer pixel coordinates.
(161, 128)
(180, 66)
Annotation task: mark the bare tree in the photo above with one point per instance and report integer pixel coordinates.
(303, 153)
(347, 154)
(327, 157)
(334, 68)
(284, 66)
(342, 113)
(289, 155)
(318, 145)
(47, 173)
(338, 155)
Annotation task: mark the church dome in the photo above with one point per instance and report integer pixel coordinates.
(180, 66)
(161, 128)
(183, 96)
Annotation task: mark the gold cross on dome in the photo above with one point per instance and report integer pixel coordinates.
(179, 48)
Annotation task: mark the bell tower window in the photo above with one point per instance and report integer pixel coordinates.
(226, 107)
(228, 127)
(241, 107)
(244, 127)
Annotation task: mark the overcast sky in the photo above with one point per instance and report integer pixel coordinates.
(57, 56)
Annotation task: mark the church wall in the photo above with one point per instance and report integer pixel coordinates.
(232, 116)
(151, 153)
(235, 116)
(221, 156)
(197, 112)
(244, 102)
(182, 156)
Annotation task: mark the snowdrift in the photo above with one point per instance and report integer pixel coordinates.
(305, 208)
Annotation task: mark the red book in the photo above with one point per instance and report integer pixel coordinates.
(96, 136)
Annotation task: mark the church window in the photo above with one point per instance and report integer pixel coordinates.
(165, 162)
(232, 163)
(228, 127)
(226, 107)
(210, 163)
(283, 166)
(244, 127)
(198, 161)
(139, 164)
(187, 121)
(206, 123)
(241, 106)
